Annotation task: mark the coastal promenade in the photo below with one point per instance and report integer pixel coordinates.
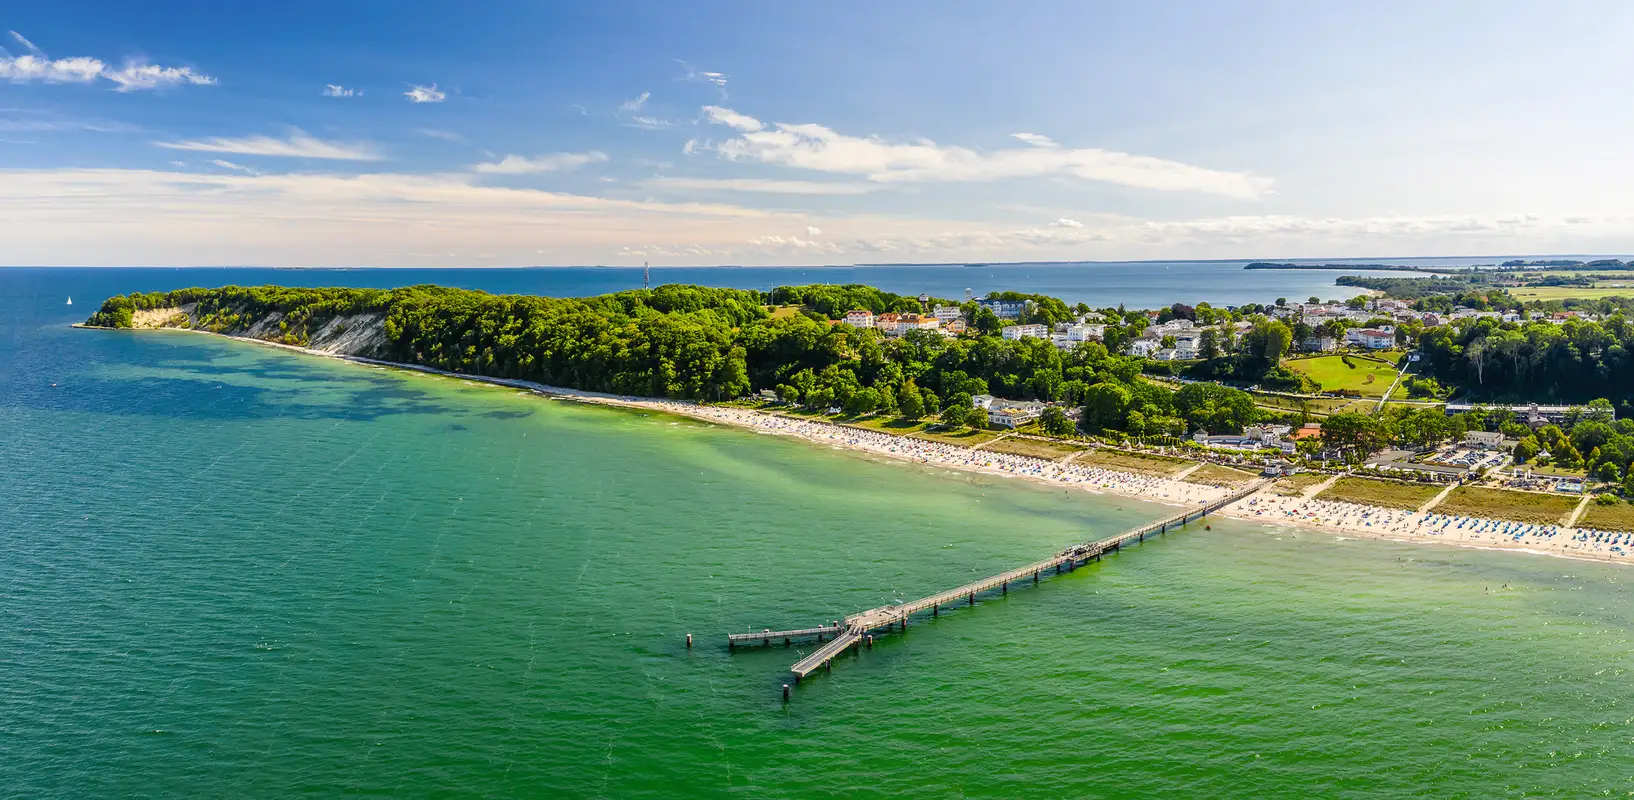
(860, 627)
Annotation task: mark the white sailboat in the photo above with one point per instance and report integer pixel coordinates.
(70, 301)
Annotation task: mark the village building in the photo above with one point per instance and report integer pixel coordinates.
(860, 318)
(1015, 332)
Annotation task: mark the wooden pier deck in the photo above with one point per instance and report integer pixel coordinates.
(858, 626)
(768, 636)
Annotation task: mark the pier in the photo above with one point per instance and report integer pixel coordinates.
(860, 627)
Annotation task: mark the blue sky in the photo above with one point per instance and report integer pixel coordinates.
(495, 133)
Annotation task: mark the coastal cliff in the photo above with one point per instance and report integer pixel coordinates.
(356, 334)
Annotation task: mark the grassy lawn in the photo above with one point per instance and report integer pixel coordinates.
(1295, 485)
(1317, 405)
(781, 312)
(1035, 448)
(1216, 475)
(1619, 517)
(1134, 462)
(1369, 377)
(894, 425)
(1476, 501)
(1386, 494)
(964, 438)
(1597, 292)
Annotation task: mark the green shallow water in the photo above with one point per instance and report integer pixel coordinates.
(232, 571)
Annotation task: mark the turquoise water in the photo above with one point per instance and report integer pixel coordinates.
(232, 571)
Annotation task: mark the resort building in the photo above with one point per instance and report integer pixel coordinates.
(915, 322)
(1380, 338)
(1144, 348)
(947, 314)
(1484, 440)
(887, 321)
(860, 318)
(1013, 413)
(1014, 332)
(1004, 309)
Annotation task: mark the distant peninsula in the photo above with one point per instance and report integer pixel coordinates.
(1366, 267)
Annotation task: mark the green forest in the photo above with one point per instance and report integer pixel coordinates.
(699, 343)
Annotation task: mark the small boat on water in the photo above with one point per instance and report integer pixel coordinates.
(70, 301)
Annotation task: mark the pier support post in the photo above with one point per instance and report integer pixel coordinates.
(972, 598)
(870, 641)
(1006, 587)
(785, 693)
(936, 609)
(904, 623)
(1035, 577)
(785, 641)
(689, 641)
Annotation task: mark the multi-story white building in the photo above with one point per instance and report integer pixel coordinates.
(947, 314)
(1085, 333)
(1144, 348)
(1380, 338)
(860, 318)
(1004, 309)
(1014, 332)
(1012, 413)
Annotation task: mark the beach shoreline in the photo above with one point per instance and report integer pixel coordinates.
(1272, 511)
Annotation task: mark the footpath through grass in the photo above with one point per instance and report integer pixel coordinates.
(1142, 463)
(1534, 507)
(1385, 494)
(1619, 517)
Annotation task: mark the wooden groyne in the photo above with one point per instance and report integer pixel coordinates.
(860, 627)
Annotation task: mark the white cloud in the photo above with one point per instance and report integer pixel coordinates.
(649, 123)
(133, 76)
(300, 144)
(1036, 140)
(818, 148)
(18, 120)
(795, 243)
(812, 230)
(447, 136)
(224, 164)
(761, 185)
(27, 69)
(336, 90)
(695, 75)
(556, 162)
(690, 147)
(1067, 223)
(425, 94)
(22, 40)
(732, 119)
(182, 164)
(176, 217)
(635, 104)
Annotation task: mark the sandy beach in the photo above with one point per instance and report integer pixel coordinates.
(1267, 508)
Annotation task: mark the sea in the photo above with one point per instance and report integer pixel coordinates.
(233, 571)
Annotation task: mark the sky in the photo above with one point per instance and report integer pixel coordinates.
(420, 134)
